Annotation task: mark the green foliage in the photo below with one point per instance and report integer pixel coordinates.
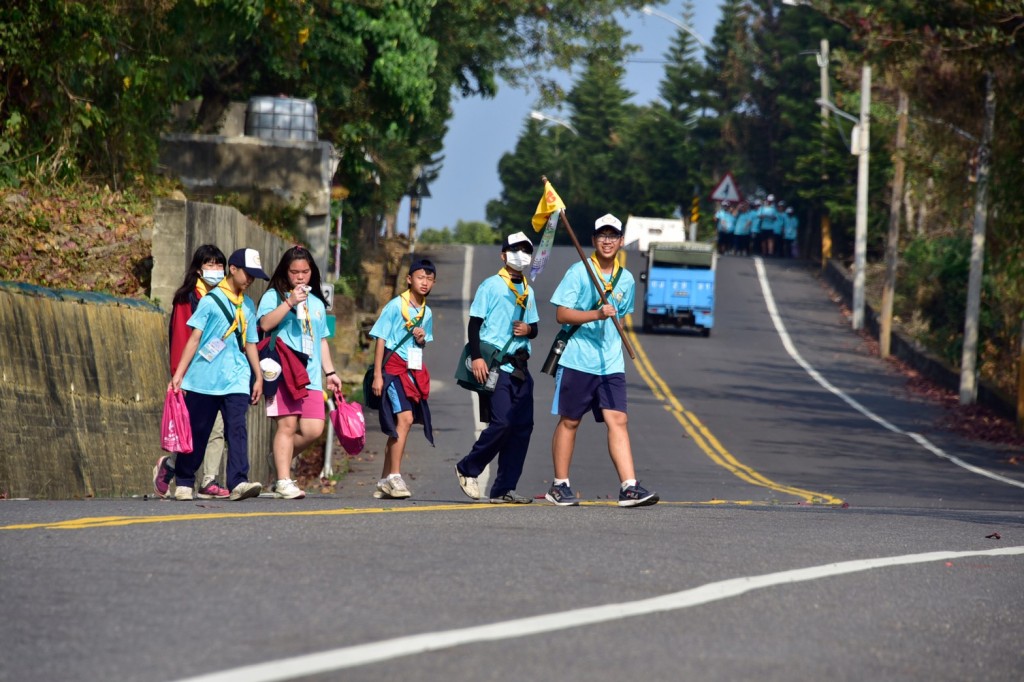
(283, 220)
(465, 232)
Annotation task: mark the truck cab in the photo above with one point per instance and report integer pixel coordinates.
(680, 286)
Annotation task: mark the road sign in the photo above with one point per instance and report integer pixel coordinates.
(726, 190)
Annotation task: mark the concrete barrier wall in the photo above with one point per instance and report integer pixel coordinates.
(83, 376)
(913, 353)
(81, 395)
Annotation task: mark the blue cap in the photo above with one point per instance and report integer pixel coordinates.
(423, 264)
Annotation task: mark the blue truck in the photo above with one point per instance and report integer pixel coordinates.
(680, 286)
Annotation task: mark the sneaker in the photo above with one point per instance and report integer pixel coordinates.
(562, 495)
(183, 493)
(245, 489)
(511, 497)
(212, 491)
(163, 474)
(287, 490)
(392, 488)
(637, 496)
(469, 485)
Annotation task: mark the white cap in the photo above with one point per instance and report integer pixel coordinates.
(271, 369)
(608, 220)
(516, 238)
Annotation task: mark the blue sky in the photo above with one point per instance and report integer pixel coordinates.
(482, 130)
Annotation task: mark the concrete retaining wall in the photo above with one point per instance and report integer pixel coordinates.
(83, 376)
(910, 351)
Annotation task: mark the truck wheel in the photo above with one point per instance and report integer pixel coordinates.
(705, 332)
(646, 324)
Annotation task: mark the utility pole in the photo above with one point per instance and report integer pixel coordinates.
(1020, 382)
(860, 245)
(826, 227)
(893, 241)
(968, 380)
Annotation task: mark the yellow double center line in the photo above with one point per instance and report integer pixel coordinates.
(703, 437)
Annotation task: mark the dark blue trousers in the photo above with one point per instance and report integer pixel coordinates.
(202, 413)
(507, 437)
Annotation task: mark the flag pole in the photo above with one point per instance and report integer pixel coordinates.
(593, 279)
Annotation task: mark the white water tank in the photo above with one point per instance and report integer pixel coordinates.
(281, 118)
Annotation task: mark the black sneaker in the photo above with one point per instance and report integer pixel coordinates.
(637, 496)
(563, 496)
(511, 497)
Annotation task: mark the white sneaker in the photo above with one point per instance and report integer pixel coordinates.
(392, 488)
(183, 493)
(287, 489)
(245, 489)
(469, 485)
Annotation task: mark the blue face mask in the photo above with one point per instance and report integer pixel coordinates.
(213, 277)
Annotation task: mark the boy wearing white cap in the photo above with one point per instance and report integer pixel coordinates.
(591, 374)
(502, 319)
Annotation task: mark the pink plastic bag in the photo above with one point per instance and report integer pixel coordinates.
(347, 420)
(175, 430)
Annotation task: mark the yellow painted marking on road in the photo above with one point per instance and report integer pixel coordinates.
(89, 522)
(702, 436)
(111, 521)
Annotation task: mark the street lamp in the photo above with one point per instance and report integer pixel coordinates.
(538, 116)
(650, 11)
(860, 144)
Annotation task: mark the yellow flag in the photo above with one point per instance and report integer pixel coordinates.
(548, 204)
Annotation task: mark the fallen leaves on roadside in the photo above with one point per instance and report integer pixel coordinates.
(994, 536)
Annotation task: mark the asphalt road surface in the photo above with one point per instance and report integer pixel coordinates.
(814, 524)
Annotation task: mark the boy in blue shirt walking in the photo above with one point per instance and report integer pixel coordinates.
(591, 374)
(400, 376)
(503, 316)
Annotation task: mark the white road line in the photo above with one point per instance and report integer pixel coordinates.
(787, 342)
(386, 650)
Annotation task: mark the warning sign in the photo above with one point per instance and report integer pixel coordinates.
(726, 190)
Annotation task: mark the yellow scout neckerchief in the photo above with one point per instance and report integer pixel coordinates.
(406, 297)
(521, 298)
(235, 300)
(202, 288)
(609, 284)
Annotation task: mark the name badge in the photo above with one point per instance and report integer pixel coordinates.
(415, 360)
(212, 349)
(307, 344)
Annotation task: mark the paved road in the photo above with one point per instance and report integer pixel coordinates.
(814, 524)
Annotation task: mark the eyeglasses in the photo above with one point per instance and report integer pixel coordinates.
(607, 237)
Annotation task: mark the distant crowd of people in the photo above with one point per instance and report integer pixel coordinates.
(766, 228)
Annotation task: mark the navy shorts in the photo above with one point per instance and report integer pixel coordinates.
(577, 392)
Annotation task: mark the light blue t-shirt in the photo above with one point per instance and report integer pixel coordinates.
(726, 221)
(770, 220)
(390, 326)
(290, 331)
(745, 223)
(791, 226)
(496, 305)
(229, 371)
(595, 348)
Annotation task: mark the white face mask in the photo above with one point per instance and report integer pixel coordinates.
(518, 260)
(213, 277)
